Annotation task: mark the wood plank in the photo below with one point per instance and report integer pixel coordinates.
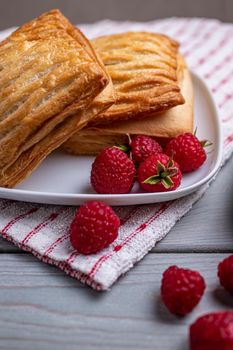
(207, 227)
(41, 308)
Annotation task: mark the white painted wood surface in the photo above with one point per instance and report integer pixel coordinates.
(41, 308)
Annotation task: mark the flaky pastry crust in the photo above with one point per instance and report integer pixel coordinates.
(143, 68)
(163, 126)
(49, 74)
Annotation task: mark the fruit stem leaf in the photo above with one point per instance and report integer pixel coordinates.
(172, 171)
(170, 162)
(160, 167)
(152, 180)
(167, 182)
(122, 147)
(129, 138)
(206, 143)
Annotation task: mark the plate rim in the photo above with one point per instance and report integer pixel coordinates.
(31, 195)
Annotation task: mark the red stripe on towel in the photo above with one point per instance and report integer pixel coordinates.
(18, 218)
(139, 229)
(41, 225)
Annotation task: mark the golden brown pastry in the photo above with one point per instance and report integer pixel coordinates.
(91, 140)
(143, 69)
(49, 74)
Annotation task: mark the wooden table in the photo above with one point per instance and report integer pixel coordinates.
(42, 308)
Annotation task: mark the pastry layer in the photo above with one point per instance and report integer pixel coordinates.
(177, 120)
(48, 75)
(143, 69)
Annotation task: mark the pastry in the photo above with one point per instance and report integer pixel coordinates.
(163, 126)
(143, 68)
(49, 74)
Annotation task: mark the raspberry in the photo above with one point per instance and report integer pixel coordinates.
(158, 173)
(181, 289)
(93, 228)
(213, 331)
(225, 273)
(188, 151)
(112, 172)
(144, 146)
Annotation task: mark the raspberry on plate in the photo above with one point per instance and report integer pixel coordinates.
(181, 289)
(93, 228)
(225, 273)
(144, 146)
(159, 173)
(187, 150)
(213, 331)
(112, 172)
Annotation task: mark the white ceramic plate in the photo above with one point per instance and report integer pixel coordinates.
(64, 179)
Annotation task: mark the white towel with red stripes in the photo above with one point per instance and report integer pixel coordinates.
(43, 230)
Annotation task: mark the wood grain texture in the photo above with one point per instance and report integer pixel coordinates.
(209, 225)
(43, 309)
(40, 308)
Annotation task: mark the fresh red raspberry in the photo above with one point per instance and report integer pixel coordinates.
(112, 172)
(213, 331)
(144, 146)
(181, 289)
(225, 273)
(159, 173)
(188, 151)
(93, 228)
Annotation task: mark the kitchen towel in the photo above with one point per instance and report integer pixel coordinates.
(43, 229)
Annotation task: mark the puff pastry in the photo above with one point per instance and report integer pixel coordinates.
(143, 70)
(91, 140)
(49, 74)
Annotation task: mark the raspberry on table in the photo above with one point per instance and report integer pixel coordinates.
(213, 331)
(186, 150)
(94, 227)
(112, 172)
(225, 273)
(159, 173)
(181, 289)
(144, 146)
